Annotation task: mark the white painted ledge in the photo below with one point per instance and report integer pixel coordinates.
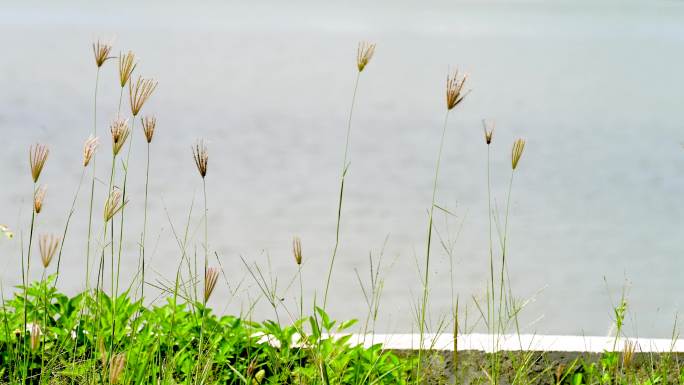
(528, 342)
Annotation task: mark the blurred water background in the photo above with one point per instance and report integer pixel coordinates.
(594, 86)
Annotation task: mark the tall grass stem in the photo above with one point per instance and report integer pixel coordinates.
(339, 205)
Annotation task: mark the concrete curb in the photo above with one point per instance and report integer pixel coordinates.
(525, 342)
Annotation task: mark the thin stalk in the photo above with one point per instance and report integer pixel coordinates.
(123, 199)
(112, 294)
(66, 226)
(429, 242)
(25, 276)
(100, 273)
(144, 234)
(339, 205)
(491, 303)
(118, 111)
(301, 309)
(45, 314)
(92, 183)
(201, 336)
(206, 226)
(503, 249)
(301, 292)
(206, 259)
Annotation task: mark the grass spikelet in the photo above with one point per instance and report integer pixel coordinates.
(628, 353)
(488, 128)
(120, 131)
(364, 54)
(201, 156)
(126, 66)
(101, 52)
(116, 368)
(48, 244)
(297, 250)
(89, 148)
(113, 205)
(38, 154)
(140, 92)
(38, 199)
(101, 349)
(518, 147)
(149, 123)
(210, 279)
(454, 90)
(35, 334)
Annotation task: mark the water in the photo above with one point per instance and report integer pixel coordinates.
(594, 87)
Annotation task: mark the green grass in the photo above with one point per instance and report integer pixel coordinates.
(161, 345)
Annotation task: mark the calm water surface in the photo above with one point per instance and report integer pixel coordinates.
(594, 87)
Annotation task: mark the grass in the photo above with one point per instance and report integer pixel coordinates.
(111, 337)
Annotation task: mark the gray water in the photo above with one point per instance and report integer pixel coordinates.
(594, 87)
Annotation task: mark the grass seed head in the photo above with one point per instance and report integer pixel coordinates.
(101, 349)
(559, 373)
(38, 198)
(113, 204)
(518, 147)
(364, 53)
(297, 250)
(488, 127)
(126, 66)
(101, 52)
(116, 368)
(35, 334)
(48, 244)
(628, 353)
(201, 156)
(140, 92)
(89, 148)
(149, 123)
(210, 279)
(38, 154)
(120, 132)
(454, 89)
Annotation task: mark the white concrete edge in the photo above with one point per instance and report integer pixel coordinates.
(513, 342)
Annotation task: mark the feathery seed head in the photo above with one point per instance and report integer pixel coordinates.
(113, 204)
(149, 123)
(297, 250)
(35, 334)
(454, 89)
(140, 92)
(201, 156)
(488, 127)
(38, 154)
(126, 66)
(518, 147)
(628, 353)
(48, 245)
(210, 279)
(364, 53)
(89, 148)
(38, 198)
(120, 131)
(101, 349)
(101, 52)
(116, 367)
